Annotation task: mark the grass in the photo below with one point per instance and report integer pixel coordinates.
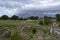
(14, 25)
(16, 36)
(9, 22)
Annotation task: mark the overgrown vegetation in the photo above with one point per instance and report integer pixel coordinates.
(26, 28)
(41, 22)
(34, 30)
(15, 36)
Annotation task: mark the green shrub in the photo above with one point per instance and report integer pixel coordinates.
(45, 31)
(41, 22)
(31, 36)
(34, 30)
(15, 36)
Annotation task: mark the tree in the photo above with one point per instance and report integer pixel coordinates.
(14, 17)
(21, 18)
(25, 19)
(41, 22)
(33, 17)
(4, 17)
(57, 17)
(47, 20)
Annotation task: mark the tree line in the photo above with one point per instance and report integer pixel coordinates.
(14, 17)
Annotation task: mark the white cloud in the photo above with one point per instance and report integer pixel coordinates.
(6, 11)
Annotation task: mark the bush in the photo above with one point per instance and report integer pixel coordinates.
(15, 36)
(34, 30)
(47, 20)
(41, 22)
(57, 17)
(45, 30)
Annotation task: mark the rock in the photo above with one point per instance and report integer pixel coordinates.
(7, 34)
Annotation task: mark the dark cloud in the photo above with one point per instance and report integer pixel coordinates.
(51, 11)
(27, 8)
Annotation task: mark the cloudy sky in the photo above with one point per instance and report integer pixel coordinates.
(29, 7)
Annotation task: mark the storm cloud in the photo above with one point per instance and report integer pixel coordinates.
(27, 8)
